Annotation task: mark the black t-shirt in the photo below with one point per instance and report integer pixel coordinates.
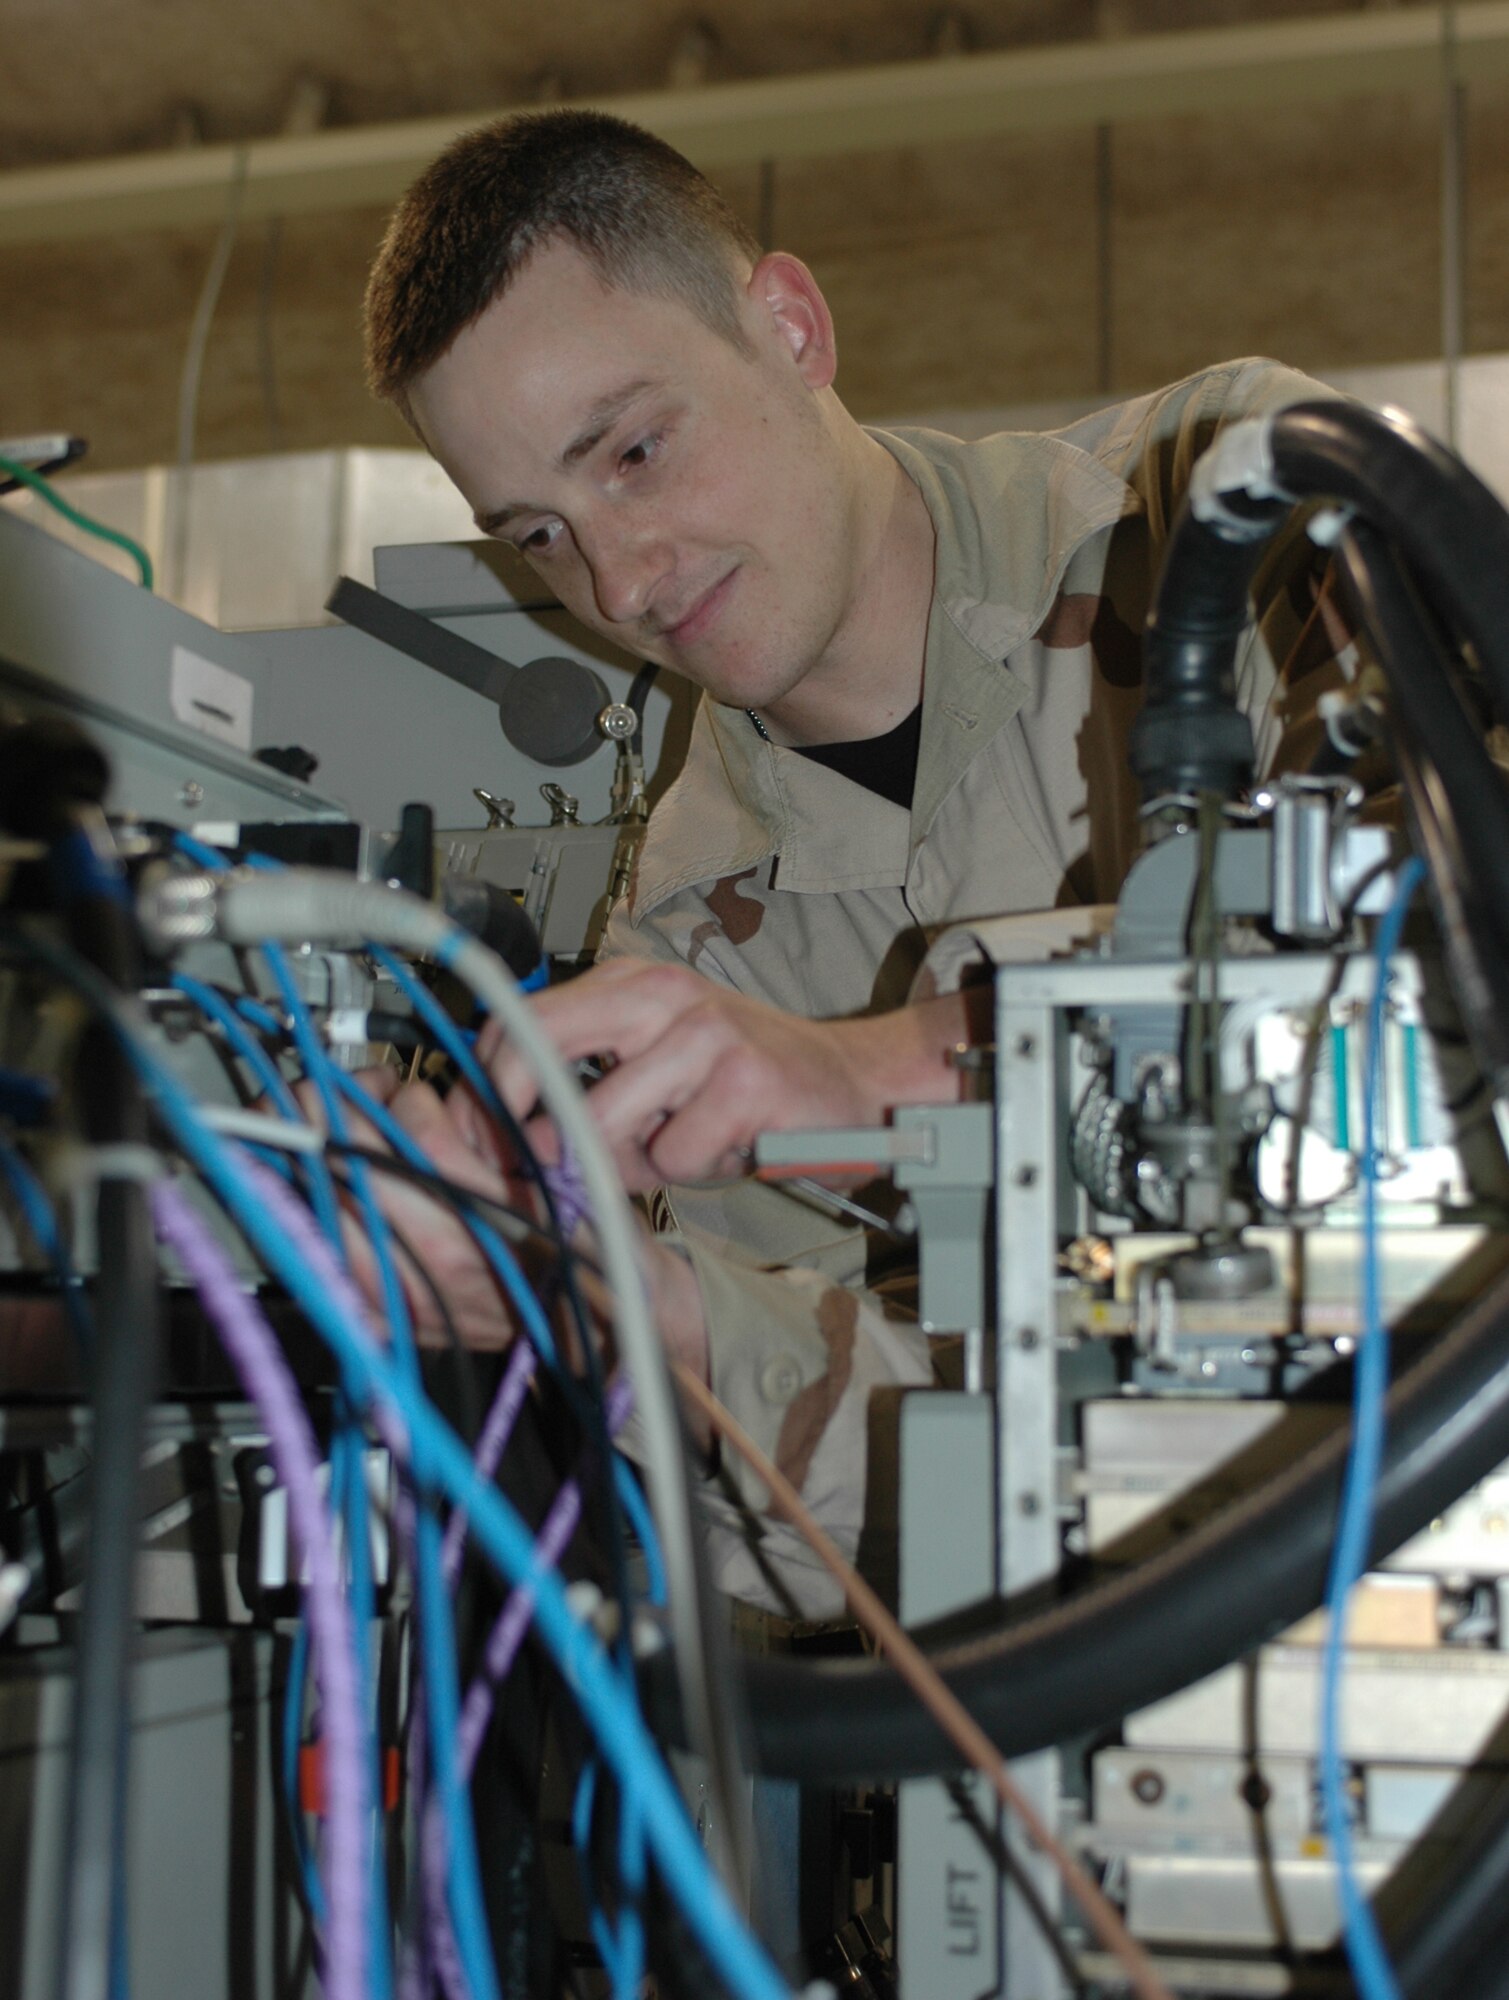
(884, 764)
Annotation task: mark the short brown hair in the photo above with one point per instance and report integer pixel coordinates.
(641, 214)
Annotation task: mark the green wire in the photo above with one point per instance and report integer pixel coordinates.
(40, 486)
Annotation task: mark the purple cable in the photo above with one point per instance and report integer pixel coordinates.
(434, 1952)
(265, 1376)
(503, 1643)
(568, 1191)
(512, 1622)
(496, 1431)
(432, 1949)
(313, 1247)
(307, 1238)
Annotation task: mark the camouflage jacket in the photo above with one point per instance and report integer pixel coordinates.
(784, 880)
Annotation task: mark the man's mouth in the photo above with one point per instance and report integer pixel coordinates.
(700, 617)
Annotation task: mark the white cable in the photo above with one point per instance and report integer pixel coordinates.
(231, 1121)
(193, 365)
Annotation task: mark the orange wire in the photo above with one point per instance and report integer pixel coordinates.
(933, 1692)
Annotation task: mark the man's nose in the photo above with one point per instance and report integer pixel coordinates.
(627, 568)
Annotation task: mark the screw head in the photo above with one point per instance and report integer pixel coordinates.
(617, 721)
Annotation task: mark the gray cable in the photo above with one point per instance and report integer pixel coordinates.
(193, 367)
(248, 906)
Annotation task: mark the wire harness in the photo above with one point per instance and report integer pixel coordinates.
(286, 1201)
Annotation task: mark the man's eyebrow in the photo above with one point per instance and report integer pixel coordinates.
(602, 416)
(489, 524)
(599, 420)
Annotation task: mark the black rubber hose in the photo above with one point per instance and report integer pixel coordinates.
(494, 916)
(1225, 1588)
(1425, 695)
(1190, 736)
(1452, 529)
(1462, 825)
(1435, 836)
(638, 695)
(1456, 1943)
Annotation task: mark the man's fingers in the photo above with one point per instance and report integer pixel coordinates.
(382, 1082)
(687, 1108)
(618, 1010)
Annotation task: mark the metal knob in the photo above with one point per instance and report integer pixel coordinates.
(499, 812)
(563, 807)
(618, 722)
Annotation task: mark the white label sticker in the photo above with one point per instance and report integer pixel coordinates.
(211, 699)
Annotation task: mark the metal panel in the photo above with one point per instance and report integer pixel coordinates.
(1228, 1902)
(948, 1916)
(208, 1914)
(79, 640)
(1187, 1800)
(1445, 1707)
(1026, 1405)
(388, 730)
(1140, 1456)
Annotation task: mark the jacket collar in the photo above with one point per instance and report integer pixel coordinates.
(1009, 513)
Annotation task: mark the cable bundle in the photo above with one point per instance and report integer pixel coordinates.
(285, 1186)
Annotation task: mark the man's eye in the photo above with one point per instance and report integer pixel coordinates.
(539, 539)
(642, 451)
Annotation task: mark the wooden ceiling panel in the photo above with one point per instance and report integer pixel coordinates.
(83, 79)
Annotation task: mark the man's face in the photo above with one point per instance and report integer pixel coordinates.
(683, 499)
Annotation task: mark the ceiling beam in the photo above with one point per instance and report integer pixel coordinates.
(836, 112)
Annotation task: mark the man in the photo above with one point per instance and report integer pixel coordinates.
(920, 660)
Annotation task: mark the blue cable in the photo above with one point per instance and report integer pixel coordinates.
(261, 1017)
(453, 1040)
(631, 1498)
(215, 1007)
(620, 1729)
(503, 1263)
(1354, 1526)
(226, 1017)
(636, 1507)
(31, 1199)
(436, 1637)
(620, 1946)
(332, 1082)
(348, 1481)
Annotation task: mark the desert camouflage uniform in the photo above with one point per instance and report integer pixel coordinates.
(786, 881)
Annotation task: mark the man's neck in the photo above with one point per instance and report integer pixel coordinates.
(870, 674)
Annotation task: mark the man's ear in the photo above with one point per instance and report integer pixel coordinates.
(790, 306)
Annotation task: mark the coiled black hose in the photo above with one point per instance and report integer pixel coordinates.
(1228, 1586)
(1458, 801)
(1452, 531)
(1450, 528)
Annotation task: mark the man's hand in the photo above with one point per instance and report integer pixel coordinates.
(698, 1071)
(461, 1149)
(465, 1148)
